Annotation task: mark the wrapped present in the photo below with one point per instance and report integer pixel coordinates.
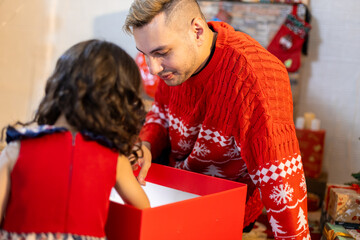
(326, 218)
(312, 149)
(335, 232)
(354, 233)
(332, 186)
(346, 225)
(344, 205)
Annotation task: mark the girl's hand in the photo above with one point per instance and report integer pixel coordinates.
(144, 163)
(127, 185)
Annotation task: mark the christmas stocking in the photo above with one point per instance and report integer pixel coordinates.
(150, 82)
(287, 43)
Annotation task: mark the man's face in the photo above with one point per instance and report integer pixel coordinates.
(170, 53)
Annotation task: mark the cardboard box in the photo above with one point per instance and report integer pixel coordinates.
(218, 212)
(312, 150)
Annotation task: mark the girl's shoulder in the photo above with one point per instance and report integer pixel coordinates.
(16, 134)
(9, 155)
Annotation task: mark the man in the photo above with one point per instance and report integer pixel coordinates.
(223, 107)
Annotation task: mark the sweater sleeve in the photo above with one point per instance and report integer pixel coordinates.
(155, 129)
(280, 178)
(271, 152)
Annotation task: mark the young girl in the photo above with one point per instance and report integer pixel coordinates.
(55, 180)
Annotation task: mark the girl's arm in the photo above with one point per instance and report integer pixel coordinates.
(127, 185)
(8, 159)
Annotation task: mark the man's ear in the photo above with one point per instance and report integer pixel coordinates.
(198, 29)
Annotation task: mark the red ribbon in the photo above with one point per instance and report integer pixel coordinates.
(355, 187)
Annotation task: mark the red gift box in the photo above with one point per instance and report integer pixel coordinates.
(218, 212)
(312, 149)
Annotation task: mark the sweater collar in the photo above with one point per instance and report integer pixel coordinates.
(222, 29)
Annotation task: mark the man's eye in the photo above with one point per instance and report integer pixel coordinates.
(162, 53)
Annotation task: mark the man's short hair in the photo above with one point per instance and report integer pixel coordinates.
(142, 12)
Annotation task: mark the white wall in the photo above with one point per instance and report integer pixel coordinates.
(33, 34)
(330, 83)
(22, 55)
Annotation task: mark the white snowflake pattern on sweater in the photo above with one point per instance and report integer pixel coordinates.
(200, 149)
(282, 193)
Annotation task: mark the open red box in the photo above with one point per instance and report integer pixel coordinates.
(218, 213)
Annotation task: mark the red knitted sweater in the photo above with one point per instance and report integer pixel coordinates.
(234, 120)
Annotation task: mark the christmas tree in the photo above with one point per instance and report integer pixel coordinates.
(357, 177)
(302, 220)
(275, 226)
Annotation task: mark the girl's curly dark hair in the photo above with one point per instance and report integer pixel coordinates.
(96, 85)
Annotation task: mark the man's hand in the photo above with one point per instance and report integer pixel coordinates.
(144, 162)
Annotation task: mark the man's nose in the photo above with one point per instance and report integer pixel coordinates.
(154, 65)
